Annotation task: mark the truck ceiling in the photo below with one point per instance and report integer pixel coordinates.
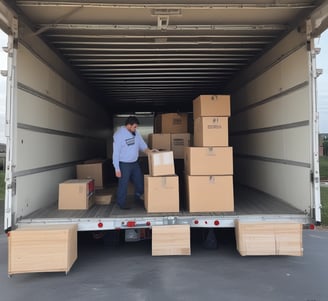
(157, 56)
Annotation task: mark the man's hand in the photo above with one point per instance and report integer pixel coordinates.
(148, 151)
(118, 173)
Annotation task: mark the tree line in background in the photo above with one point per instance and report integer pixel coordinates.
(325, 146)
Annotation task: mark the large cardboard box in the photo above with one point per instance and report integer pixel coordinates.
(93, 169)
(171, 123)
(210, 193)
(42, 249)
(211, 105)
(211, 131)
(178, 144)
(161, 163)
(76, 194)
(269, 238)
(208, 161)
(171, 240)
(160, 141)
(161, 194)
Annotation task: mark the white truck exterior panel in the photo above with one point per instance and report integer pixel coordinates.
(53, 121)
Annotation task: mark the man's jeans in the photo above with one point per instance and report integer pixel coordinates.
(129, 171)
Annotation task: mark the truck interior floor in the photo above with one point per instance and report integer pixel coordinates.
(248, 201)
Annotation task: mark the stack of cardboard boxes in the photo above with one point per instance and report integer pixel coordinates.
(161, 185)
(171, 133)
(209, 164)
(88, 188)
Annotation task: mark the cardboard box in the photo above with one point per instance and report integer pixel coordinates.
(171, 123)
(42, 249)
(161, 194)
(103, 198)
(161, 163)
(171, 240)
(210, 193)
(93, 169)
(160, 141)
(208, 161)
(211, 105)
(178, 144)
(269, 238)
(211, 131)
(76, 194)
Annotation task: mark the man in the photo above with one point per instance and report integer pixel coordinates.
(126, 146)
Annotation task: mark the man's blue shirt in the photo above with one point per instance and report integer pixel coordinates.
(126, 146)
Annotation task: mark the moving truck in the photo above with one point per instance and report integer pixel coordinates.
(76, 69)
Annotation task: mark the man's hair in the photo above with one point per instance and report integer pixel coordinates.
(131, 120)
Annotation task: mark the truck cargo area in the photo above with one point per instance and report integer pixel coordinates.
(77, 69)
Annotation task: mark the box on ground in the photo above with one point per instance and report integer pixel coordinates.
(268, 238)
(171, 123)
(211, 131)
(161, 163)
(208, 160)
(76, 194)
(210, 193)
(178, 144)
(161, 194)
(94, 169)
(160, 141)
(104, 196)
(211, 105)
(42, 249)
(171, 240)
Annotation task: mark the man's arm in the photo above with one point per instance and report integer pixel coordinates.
(116, 156)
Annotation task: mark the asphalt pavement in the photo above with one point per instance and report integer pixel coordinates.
(127, 271)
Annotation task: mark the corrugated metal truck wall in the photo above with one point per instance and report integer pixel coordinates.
(57, 125)
(271, 123)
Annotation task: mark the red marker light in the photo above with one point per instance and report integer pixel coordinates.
(216, 223)
(206, 222)
(100, 225)
(196, 222)
(131, 224)
(312, 227)
(148, 223)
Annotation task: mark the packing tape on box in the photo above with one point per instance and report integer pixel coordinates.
(210, 151)
(163, 180)
(212, 179)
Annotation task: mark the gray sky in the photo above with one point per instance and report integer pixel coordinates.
(322, 83)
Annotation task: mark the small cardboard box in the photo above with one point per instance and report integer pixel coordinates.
(210, 193)
(204, 161)
(93, 169)
(161, 194)
(160, 141)
(76, 194)
(211, 131)
(171, 240)
(42, 249)
(103, 198)
(269, 238)
(178, 144)
(161, 163)
(211, 105)
(171, 123)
